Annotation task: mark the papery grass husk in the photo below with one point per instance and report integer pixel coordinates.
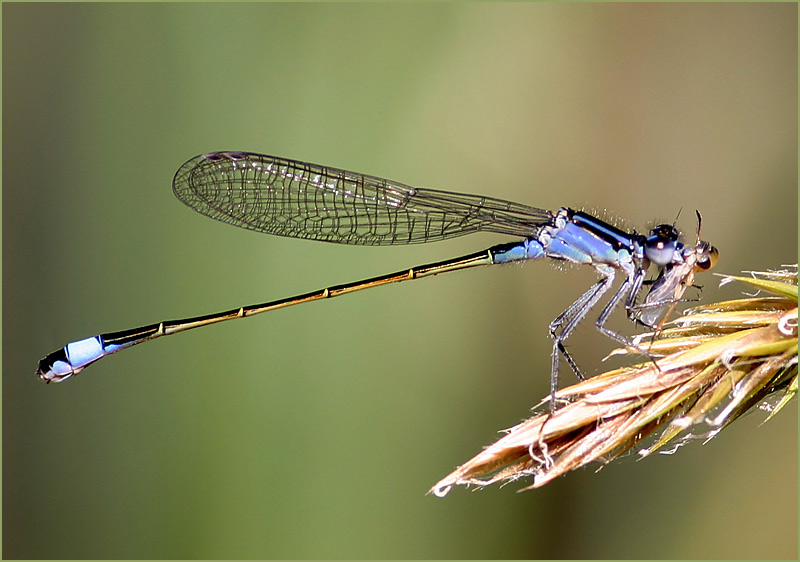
(710, 366)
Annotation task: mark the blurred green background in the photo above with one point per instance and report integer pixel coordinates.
(315, 432)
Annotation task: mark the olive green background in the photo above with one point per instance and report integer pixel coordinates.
(315, 432)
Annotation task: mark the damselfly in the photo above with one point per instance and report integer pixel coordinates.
(302, 200)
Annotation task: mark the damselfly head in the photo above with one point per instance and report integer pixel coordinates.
(676, 276)
(660, 244)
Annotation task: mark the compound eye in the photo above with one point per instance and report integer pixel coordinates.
(660, 246)
(708, 258)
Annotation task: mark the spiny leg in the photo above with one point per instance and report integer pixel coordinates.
(629, 287)
(562, 318)
(630, 303)
(624, 289)
(565, 323)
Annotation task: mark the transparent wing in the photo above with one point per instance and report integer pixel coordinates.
(666, 293)
(301, 200)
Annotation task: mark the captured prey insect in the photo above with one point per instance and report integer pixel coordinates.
(301, 200)
(673, 280)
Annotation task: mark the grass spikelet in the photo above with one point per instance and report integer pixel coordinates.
(711, 365)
